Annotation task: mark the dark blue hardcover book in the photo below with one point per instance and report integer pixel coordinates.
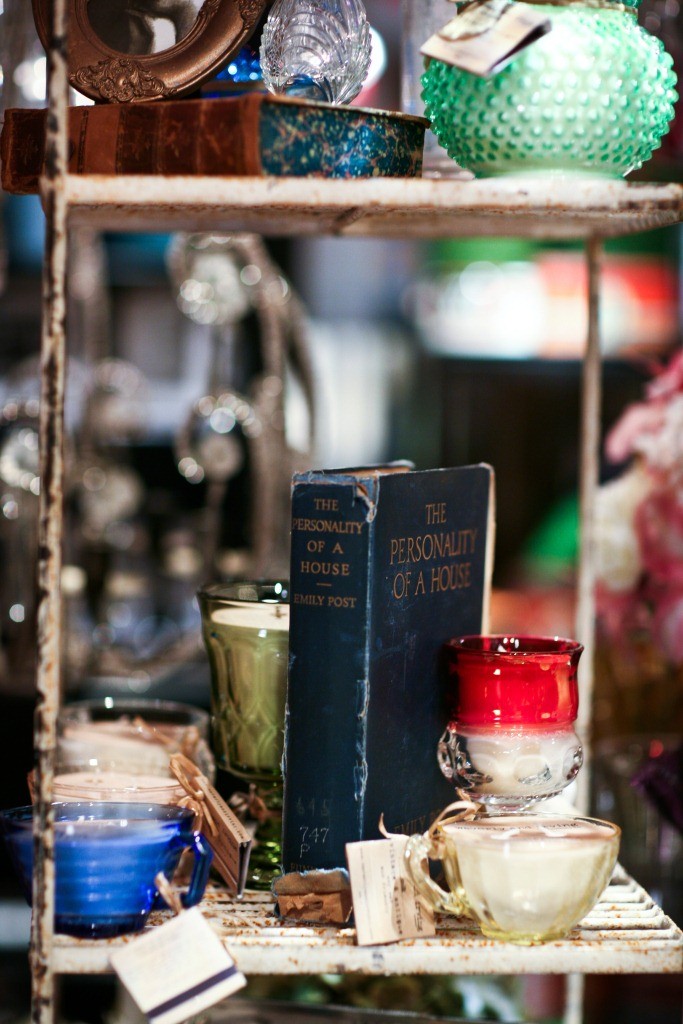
(386, 565)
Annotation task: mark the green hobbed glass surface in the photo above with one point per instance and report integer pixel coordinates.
(594, 96)
(245, 631)
(249, 699)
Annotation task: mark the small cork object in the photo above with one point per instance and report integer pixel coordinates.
(314, 897)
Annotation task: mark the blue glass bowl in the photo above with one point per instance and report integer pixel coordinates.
(107, 856)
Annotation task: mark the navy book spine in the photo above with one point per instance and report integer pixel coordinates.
(324, 754)
(431, 569)
(384, 570)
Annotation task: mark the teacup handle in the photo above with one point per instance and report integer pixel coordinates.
(418, 850)
(203, 855)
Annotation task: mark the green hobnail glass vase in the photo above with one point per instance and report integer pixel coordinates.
(593, 97)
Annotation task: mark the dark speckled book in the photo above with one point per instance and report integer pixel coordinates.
(252, 134)
(387, 564)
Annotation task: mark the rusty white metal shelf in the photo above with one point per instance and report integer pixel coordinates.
(544, 208)
(625, 933)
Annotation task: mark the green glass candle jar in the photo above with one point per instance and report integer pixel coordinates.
(592, 97)
(245, 627)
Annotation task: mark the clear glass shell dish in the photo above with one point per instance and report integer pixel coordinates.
(316, 49)
(594, 96)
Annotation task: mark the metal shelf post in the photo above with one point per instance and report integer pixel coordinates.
(48, 682)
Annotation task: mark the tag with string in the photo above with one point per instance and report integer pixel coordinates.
(178, 969)
(224, 832)
(486, 35)
(386, 905)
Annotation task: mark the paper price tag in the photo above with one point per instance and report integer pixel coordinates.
(229, 839)
(486, 35)
(386, 905)
(178, 969)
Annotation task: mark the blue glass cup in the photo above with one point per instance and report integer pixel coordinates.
(107, 856)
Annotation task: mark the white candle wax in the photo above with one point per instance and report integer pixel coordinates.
(122, 786)
(529, 879)
(80, 744)
(529, 761)
(256, 615)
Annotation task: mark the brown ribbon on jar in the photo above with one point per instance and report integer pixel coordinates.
(250, 805)
(467, 810)
(197, 787)
(466, 807)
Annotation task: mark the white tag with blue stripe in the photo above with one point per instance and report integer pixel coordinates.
(177, 969)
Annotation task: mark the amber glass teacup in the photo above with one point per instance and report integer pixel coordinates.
(525, 878)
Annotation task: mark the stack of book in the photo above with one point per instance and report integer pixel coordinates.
(386, 565)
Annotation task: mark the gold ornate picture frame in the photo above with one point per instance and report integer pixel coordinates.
(128, 51)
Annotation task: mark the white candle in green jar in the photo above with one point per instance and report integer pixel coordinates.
(248, 643)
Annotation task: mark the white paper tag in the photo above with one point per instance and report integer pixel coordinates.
(178, 969)
(486, 35)
(386, 905)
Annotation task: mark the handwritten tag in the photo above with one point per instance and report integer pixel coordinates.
(226, 835)
(178, 969)
(486, 35)
(386, 905)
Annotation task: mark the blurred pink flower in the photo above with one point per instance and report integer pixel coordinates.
(668, 381)
(621, 612)
(639, 419)
(667, 626)
(648, 598)
(638, 427)
(659, 528)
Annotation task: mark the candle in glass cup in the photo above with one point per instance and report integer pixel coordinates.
(524, 878)
(246, 633)
(250, 643)
(514, 701)
(530, 878)
(132, 734)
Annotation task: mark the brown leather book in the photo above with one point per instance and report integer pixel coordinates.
(174, 137)
(251, 134)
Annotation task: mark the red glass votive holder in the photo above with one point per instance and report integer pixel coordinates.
(513, 702)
